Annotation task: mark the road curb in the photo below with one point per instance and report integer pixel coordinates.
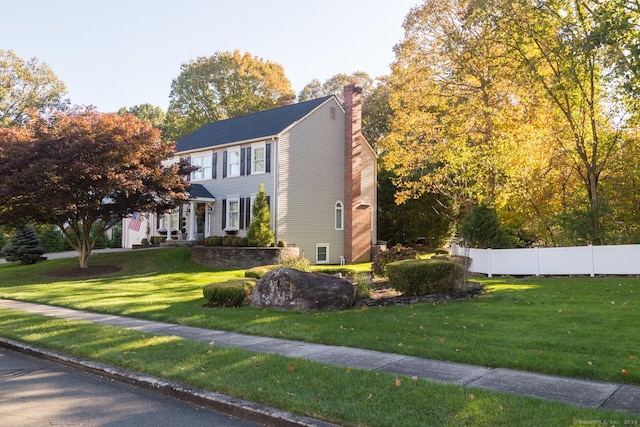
(239, 408)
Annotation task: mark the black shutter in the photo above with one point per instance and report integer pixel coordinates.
(224, 212)
(242, 159)
(242, 213)
(248, 161)
(247, 213)
(269, 201)
(224, 164)
(214, 166)
(267, 158)
(188, 177)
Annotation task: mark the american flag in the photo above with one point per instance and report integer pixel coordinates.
(135, 222)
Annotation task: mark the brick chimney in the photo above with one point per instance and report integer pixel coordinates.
(357, 217)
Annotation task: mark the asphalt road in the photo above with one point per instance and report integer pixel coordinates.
(35, 392)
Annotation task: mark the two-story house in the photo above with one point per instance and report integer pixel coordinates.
(318, 170)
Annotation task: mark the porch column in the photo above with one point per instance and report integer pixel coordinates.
(192, 221)
(167, 224)
(208, 208)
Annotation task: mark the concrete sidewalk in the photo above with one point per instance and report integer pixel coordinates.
(583, 393)
(74, 254)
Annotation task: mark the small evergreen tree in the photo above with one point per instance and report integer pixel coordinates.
(25, 246)
(481, 228)
(259, 232)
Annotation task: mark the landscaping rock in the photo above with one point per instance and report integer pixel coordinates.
(288, 289)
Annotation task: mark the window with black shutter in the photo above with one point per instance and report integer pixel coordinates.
(224, 164)
(242, 160)
(242, 217)
(224, 213)
(267, 157)
(247, 212)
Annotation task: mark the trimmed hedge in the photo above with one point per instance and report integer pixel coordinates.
(424, 276)
(258, 272)
(231, 293)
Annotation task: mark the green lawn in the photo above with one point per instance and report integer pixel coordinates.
(580, 327)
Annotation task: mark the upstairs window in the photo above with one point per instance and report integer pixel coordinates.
(233, 162)
(205, 165)
(258, 156)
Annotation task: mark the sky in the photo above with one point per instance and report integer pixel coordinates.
(121, 53)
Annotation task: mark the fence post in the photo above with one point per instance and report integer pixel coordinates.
(490, 272)
(593, 263)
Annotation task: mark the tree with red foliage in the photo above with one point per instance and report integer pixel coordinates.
(78, 168)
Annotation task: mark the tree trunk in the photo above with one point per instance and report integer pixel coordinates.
(83, 256)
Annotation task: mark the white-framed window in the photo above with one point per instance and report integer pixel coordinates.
(322, 253)
(206, 166)
(233, 213)
(258, 158)
(233, 162)
(339, 216)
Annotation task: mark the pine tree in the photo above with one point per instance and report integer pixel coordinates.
(25, 246)
(259, 232)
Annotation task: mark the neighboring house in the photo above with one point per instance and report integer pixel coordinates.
(318, 171)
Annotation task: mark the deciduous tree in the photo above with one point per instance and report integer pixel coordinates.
(27, 84)
(221, 86)
(81, 168)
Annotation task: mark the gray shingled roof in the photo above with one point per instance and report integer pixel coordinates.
(252, 126)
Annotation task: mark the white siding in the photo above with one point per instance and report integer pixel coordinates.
(311, 181)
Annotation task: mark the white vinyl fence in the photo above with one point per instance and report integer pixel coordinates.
(591, 260)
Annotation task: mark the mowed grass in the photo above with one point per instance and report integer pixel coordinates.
(348, 397)
(572, 326)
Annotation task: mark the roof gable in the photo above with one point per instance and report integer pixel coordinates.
(262, 124)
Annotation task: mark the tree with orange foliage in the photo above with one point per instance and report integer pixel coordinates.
(79, 168)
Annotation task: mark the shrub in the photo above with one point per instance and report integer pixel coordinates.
(259, 231)
(361, 282)
(442, 252)
(282, 244)
(481, 228)
(258, 272)
(25, 246)
(156, 240)
(424, 277)
(51, 239)
(214, 241)
(144, 242)
(228, 240)
(228, 294)
(396, 253)
(298, 263)
(244, 242)
(235, 242)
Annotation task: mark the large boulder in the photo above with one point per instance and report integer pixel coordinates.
(288, 289)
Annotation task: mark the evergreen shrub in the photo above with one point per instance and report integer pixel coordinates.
(258, 272)
(424, 276)
(298, 263)
(232, 293)
(24, 247)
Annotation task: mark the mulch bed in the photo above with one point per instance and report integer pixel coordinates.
(384, 295)
(92, 270)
